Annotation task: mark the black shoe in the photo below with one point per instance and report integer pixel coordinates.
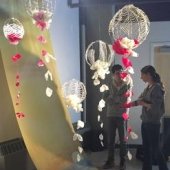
(122, 165)
(108, 164)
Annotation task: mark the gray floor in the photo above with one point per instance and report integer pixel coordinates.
(92, 161)
(98, 159)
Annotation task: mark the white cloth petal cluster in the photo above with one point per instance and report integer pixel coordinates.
(101, 105)
(129, 155)
(101, 69)
(133, 135)
(78, 137)
(80, 149)
(103, 88)
(49, 92)
(48, 75)
(74, 102)
(80, 124)
(48, 57)
(128, 80)
(129, 44)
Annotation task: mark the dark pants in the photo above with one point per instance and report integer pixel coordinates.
(151, 146)
(113, 124)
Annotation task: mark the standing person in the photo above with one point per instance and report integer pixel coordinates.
(152, 102)
(114, 97)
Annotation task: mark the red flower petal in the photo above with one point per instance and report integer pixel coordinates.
(119, 49)
(17, 84)
(20, 114)
(129, 130)
(128, 93)
(16, 57)
(125, 116)
(43, 52)
(41, 39)
(126, 62)
(123, 75)
(13, 38)
(40, 63)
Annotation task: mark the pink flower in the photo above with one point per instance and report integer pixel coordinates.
(125, 116)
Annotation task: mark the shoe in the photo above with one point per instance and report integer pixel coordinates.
(122, 165)
(109, 164)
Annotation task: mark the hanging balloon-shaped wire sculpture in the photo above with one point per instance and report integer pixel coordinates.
(74, 93)
(41, 12)
(99, 56)
(13, 30)
(128, 29)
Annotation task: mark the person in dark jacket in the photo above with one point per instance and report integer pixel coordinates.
(152, 102)
(114, 97)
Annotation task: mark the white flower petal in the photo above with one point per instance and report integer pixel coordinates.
(80, 124)
(80, 149)
(98, 118)
(49, 92)
(101, 137)
(133, 135)
(101, 125)
(129, 155)
(48, 75)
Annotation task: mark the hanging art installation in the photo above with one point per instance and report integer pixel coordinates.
(14, 32)
(99, 56)
(74, 93)
(41, 12)
(128, 29)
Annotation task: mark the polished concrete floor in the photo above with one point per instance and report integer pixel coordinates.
(92, 161)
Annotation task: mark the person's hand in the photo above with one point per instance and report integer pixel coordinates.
(144, 104)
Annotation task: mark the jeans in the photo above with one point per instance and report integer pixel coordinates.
(151, 146)
(113, 124)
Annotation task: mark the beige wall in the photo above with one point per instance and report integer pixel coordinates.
(162, 64)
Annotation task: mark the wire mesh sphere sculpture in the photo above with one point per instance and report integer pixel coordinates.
(13, 30)
(41, 12)
(99, 50)
(129, 22)
(99, 56)
(74, 93)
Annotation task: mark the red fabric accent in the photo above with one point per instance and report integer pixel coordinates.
(126, 62)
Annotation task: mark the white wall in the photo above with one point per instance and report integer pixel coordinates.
(159, 32)
(65, 38)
